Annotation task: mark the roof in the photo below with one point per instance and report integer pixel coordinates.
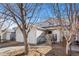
(52, 22)
(49, 24)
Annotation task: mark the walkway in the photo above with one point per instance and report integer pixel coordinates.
(11, 51)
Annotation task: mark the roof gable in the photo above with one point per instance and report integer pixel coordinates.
(53, 22)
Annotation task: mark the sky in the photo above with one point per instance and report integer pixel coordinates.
(43, 12)
(47, 12)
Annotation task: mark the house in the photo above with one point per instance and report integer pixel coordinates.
(54, 25)
(8, 34)
(38, 33)
(35, 36)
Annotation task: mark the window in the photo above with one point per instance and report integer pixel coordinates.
(54, 37)
(49, 32)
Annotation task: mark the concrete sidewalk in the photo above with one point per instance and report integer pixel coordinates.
(11, 51)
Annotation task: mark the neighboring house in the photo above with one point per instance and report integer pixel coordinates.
(9, 34)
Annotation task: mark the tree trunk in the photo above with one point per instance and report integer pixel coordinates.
(25, 35)
(70, 50)
(67, 49)
(68, 43)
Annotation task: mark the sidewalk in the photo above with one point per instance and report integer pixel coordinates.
(11, 51)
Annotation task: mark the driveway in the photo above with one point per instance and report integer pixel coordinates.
(75, 48)
(8, 43)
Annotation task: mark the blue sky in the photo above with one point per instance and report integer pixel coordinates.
(44, 13)
(47, 11)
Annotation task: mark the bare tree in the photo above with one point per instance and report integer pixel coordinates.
(70, 11)
(19, 15)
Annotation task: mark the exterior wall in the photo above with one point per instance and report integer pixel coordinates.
(58, 34)
(38, 33)
(36, 36)
(32, 36)
(3, 36)
(8, 36)
(40, 36)
(19, 36)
